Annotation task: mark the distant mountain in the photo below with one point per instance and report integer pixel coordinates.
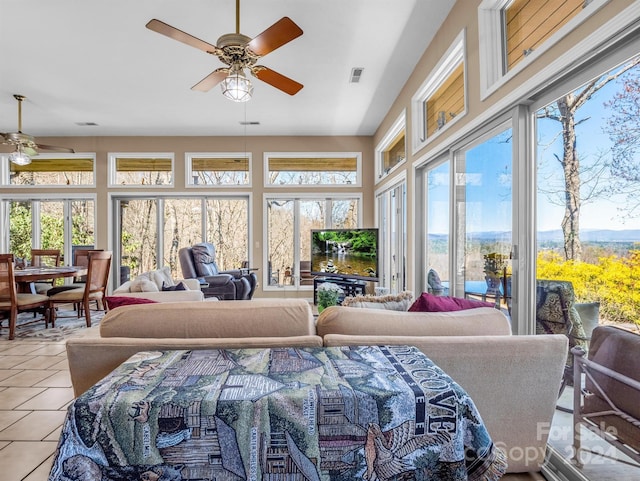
(587, 235)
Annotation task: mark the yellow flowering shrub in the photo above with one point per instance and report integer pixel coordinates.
(613, 281)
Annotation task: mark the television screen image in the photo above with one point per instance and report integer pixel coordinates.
(345, 253)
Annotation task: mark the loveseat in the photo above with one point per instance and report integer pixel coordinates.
(150, 285)
(513, 380)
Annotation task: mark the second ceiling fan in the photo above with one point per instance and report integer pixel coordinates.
(240, 52)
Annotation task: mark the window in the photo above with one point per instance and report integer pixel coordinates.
(151, 230)
(222, 169)
(392, 222)
(446, 102)
(48, 223)
(392, 150)
(289, 221)
(438, 191)
(441, 99)
(148, 169)
(527, 25)
(324, 168)
(512, 34)
(53, 170)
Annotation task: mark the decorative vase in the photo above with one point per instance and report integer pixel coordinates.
(493, 284)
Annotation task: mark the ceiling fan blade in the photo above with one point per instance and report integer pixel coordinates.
(277, 80)
(211, 80)
(176, 34)
(281, 32)
(54, 148)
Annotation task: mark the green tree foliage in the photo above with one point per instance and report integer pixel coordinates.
(612, 281)
(20, 228)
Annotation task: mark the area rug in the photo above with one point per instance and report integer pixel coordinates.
(30, 328)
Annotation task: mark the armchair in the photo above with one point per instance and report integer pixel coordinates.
(198, 261)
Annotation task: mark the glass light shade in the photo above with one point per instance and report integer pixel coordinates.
(237, 87)
(19, 157)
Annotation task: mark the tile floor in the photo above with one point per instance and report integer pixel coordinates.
(35, 390)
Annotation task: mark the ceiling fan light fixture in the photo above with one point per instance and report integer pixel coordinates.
(237, 86)
(19, 157)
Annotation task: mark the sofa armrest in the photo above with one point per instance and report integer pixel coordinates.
(218, 280)
(191, 284)
(513, 381)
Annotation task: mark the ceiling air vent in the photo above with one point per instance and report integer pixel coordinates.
(356, 73)
(250, 122)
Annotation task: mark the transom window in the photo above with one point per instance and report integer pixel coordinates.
(224, 169)
(323, 168)
(441, 99)
(513, 33)
(446, 102)
(392, 150)
(53, 169)
(145, 169)
(528, 24)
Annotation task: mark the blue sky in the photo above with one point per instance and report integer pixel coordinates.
(489, 172)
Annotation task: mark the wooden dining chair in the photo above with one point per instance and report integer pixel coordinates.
(13, 302)
(45, 258)
(94, 288)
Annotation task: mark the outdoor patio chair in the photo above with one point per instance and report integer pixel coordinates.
(556, 314)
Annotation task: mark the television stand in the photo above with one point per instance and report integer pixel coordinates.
(351, 287)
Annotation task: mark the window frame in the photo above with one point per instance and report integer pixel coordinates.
(398, 126)
(492, 48)
(188, 169)
(44, 197)
(312, 155)
(114, 220)
(454, 56)
(113, 173)
(5, 175)
(295, 197)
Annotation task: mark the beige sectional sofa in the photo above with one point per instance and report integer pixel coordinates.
(513, 380)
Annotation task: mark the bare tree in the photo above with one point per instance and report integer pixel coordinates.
(624, 132)
(564, 110)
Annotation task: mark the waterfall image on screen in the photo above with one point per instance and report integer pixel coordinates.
(345, 253)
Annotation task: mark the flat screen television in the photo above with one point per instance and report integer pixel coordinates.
(345, 253)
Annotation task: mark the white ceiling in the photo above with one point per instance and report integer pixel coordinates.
(94, 61)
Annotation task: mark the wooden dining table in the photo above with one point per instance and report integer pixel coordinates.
(27, 276)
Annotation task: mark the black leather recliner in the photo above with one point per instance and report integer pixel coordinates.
(199, 262)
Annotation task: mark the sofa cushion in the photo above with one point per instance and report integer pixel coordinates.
(376, 322)
(248, 318)
(162, 277)
(118, 301)
(430, 303)
(394, 302)
(142, 284)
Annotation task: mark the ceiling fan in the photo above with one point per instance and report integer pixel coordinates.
(240, 52)
(26, 146)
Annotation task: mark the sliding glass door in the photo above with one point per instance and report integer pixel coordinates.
(484, 218)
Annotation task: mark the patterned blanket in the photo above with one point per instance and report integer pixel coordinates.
(372, 413)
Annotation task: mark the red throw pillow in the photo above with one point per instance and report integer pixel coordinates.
(430, 303)
(117, 301)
